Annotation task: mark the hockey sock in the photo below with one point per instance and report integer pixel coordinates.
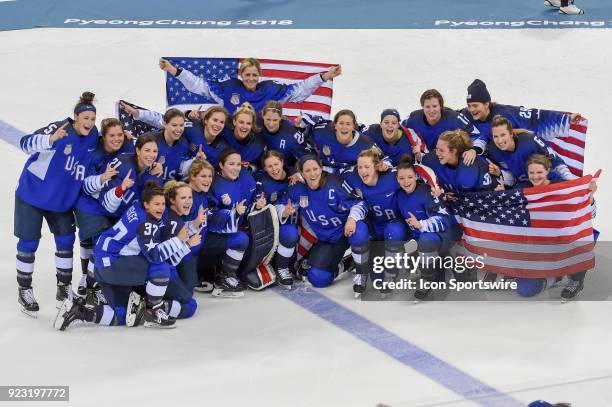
(86, 253)
(361, 255)
(283, 257)
(63, 265)
(26, 250)
(156, 289)
(101, 315)
(231, 261)
(565, 3)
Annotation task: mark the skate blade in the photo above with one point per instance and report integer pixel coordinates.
(158, 326)
(59, 318)
(132, 306)
(203, 290)
(33, 314)
(357, 295)
(227, 294)
(287, 287)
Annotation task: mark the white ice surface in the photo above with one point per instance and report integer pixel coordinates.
(263, 349)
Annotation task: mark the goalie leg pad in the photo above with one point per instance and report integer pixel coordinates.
(264, 228)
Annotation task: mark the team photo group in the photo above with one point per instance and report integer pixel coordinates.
(239, 196)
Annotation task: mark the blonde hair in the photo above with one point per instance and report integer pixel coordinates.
(247, 108)
(273, 106)
(458, 141)
(197, 166)
(372, 153)
(247, 63)
(170, 190)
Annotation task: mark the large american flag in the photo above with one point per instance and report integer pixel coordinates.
(318, 104)
(534, 232)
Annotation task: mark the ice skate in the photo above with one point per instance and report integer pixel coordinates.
(227, 286)
(135, 310)
(204, 287)
(571, 290)
(64, 292)
(70, 313)
(553, 3)
(571, 10)
(29, 306)
(82, 287)
(156, 317)
(302, 271)
(284, 278)
(95, 296)
(421, 294)
(359, 284)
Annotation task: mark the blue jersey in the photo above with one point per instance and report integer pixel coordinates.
(112, 205)
(200, 200)
(52, 177)
(172, 157)
(288, 140)
(273, 190)
(450, 120)
(433, 216)
(250, 149)
(379, 198)
(136, 234)
(195, 135)
(89, 199)
(544, 123)
(513, 163)
(231, 93)
(223, 197)
(394, 152)
(462, 178)
(327, 208)
(335, 156)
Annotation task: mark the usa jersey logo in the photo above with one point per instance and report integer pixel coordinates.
(68, 149)
(273, 196)
(326, 150)
(235, 99)
(161, 160)
(303, 201)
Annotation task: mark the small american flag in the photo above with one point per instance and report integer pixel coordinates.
(571, 146)
(130, 124)
(318, 104)
(542, 231)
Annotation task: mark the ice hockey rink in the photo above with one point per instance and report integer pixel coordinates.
(309, 347)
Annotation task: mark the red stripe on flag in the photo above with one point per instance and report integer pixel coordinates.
(557, 187)
(284, 62)
(530, 273)
(562, 207)
(324, 91)
(549, 223)
(567, 153)
(273, 73)
(505, 237)
(321, 107)
(527, 256)
(579, 128)
(560, 198)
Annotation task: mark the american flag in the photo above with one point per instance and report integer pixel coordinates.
(542, 231)
(129, 123)
(570, 146)
(318, 104)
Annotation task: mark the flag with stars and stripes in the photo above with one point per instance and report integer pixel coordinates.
(534, 232)
(130, 123)
(218, 69)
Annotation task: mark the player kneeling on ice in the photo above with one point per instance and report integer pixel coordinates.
(538, 169)
(128, 255)
(335, 216)
(178, 300)
(273, 183)
(378, 190)
(231, 195)
(429, 223)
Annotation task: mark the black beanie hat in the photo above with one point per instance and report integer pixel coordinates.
(477, 92)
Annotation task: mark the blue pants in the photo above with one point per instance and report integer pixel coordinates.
(28, 221)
